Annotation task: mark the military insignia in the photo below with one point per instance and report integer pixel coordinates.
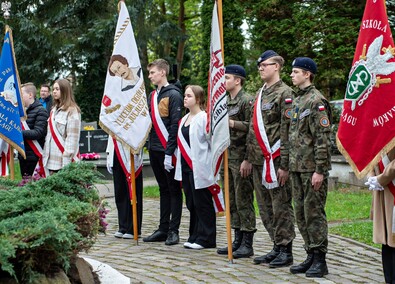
(304, 113)
(287, 112)
(324, 121)
(363, 75)
(251, 102)
(233, 111)
(267, 106)
(321, 108)
(288, 100)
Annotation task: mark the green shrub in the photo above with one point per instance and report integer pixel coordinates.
(46, 222)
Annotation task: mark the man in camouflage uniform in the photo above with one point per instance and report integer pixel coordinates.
(275, 203)
(309, 163)
(241, 192)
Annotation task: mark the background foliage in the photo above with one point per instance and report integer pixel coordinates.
(74, 39)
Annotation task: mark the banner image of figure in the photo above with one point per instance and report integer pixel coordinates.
(119, 66)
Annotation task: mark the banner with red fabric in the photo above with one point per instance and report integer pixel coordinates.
(367, 123)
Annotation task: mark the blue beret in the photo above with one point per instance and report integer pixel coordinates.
(266, 55)
(305, 63)
(235, 70)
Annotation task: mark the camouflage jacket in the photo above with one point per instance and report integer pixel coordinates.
(276, 109)
(309, 134)
(239, 110)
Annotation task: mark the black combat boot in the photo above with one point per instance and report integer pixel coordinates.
(235, 245)
(267, 258)
(304, 266)
(284, 258)
(245, 249)
(319, 267)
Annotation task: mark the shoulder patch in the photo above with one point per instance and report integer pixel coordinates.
(288, 100)
(321, 108)
(324, 121)
(287, 112)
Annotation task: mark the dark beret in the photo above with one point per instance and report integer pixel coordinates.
(235, 70)
(305, 63)
(266, 55)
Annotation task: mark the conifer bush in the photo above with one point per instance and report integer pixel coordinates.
(47, 222)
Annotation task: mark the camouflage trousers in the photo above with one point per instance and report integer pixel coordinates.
(275, 208)
(241, 199)
(310, 210)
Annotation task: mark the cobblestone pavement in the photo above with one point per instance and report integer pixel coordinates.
(348, 261)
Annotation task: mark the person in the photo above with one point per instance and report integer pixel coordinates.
(119, 66)
(165, 106)
(309, 163)
(383, 213)
(45, 97)
(266, 158)
(241, 191)
(118, 164)
(36, 130)
(62, 140)
(194, 169)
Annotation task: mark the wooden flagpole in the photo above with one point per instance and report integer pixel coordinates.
(226, 166)
(12, 163)
(133, 201)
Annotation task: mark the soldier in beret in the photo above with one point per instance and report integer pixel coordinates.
(266, 146)
(309, 163)
(241, 192)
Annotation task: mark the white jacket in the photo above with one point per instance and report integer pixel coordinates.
(201, 156)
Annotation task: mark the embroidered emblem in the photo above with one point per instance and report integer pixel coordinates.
(324, 121)
(288, 100)
(287, 112)
(321, 108)
(267, 106)
(304, 113)
(233, 111)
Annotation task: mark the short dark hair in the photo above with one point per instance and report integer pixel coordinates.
(117, 57)
(161, 64)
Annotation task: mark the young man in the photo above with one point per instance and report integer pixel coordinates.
(241, 192)
(309, 163)
(165, 105)
(37, 123)
(45, 97)
(268, 134)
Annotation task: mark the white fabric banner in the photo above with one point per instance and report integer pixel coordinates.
(124, 110)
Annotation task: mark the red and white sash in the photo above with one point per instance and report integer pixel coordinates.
(38, 151)
(124, 159)
(57, 137)
(158, 124)
(391, 186)
(5, 154)
(269, 177)
(186, 154)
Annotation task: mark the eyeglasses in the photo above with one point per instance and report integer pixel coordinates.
(264, 65)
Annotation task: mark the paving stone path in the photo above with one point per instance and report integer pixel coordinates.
(348, 261)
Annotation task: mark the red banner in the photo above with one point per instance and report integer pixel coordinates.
(367, 123)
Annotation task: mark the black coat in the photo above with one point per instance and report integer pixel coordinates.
(37, 119)
(171, 102)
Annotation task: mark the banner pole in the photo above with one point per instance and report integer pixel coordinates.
(12, 163)
(134, 201)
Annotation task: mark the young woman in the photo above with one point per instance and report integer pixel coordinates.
(194, 168)
(64, 125)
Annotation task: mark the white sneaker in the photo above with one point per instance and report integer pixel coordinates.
(187, 245)
(127, 236)
(196, 246)
(118, 235)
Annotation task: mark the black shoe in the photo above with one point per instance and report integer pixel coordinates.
(304, 266)
(157, 236)
(284, 258)
(172, 238)
(235, 245)
(267, 258)
(319, 267)
(245, 250)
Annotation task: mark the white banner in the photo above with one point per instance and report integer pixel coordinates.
(124, 110)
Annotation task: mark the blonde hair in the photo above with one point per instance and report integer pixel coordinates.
(30, 88)
(67, 99)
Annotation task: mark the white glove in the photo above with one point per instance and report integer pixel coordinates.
(167, 163)
(108, 162)
(374, 184)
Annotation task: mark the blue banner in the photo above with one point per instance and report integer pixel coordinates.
(11, 105)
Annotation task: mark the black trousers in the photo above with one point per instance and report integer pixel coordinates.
(27, 167)
(388, 258)
(170, 193)
(202, 222)
(122, 199)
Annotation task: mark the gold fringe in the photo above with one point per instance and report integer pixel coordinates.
(372, 163)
